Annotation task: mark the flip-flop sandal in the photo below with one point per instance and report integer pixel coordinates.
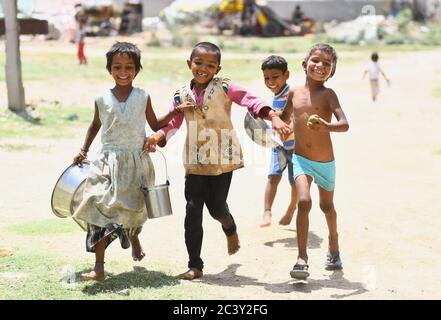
(333, 261)
(299, 271)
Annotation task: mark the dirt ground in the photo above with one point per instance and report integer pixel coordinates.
(388, 183)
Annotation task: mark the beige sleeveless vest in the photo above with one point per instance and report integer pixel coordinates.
(211, 146)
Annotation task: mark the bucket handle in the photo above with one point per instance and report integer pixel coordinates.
(167, 182)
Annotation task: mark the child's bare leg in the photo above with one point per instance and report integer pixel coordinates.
(266, 220)
(97, 273)
(286, 219)
(303, 184)
(270, 194)
(137, 252)
(374, 89)
(327, 206)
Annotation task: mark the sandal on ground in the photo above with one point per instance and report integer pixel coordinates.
(299, 271)
(190, 274)
(333, 261)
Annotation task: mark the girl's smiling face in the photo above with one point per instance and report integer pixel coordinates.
(123, 70)
(204, 66)
(319, 66)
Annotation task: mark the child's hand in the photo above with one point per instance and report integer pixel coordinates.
(184, 106)
(150, 143)
(80, 157)
(280, 126)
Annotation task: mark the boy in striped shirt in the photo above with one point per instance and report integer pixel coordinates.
(275, 74)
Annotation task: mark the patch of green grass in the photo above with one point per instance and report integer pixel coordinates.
(157, 68)
(162, 63)
(265, 45)
(45, 276)
(43, 227)
(53, 122)
(436, 92)
(38, 66)
(40, 276)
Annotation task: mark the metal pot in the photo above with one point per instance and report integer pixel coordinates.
(68, 191)
(260, 132)
(157, 198)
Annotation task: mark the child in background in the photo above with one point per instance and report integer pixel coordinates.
(275, 73)
(313, 106)
(113, 204)
(81, 35)
(212, 151)
(374, 71)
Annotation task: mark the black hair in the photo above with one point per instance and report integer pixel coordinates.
(374, 57)
(121, 48)
(326, 48)
(275, 62)
(208, 46)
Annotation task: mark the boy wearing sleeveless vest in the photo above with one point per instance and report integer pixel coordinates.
(212, 151)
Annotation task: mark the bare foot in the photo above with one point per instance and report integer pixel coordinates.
(137, 253)
(266, 222)
(97, 274)
(190, 274)
(5, 252)
(286, 219)
(233, 244)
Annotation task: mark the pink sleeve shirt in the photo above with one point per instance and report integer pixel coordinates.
(236, 93)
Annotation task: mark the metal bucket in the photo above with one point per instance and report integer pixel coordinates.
(68, 191)
(157, 198)
(260, 132)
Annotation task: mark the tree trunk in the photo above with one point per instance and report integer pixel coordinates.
(14, 84)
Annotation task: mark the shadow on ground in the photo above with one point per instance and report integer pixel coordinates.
(229, 278)
(336, 280)
(314, 241)
(138, 278)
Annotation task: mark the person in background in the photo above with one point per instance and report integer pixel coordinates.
(374, 70)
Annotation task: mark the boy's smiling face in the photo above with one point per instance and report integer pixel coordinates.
(319, 66)
(275, 79)
(204, 66)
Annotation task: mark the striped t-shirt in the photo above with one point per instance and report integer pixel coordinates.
(279, 103)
